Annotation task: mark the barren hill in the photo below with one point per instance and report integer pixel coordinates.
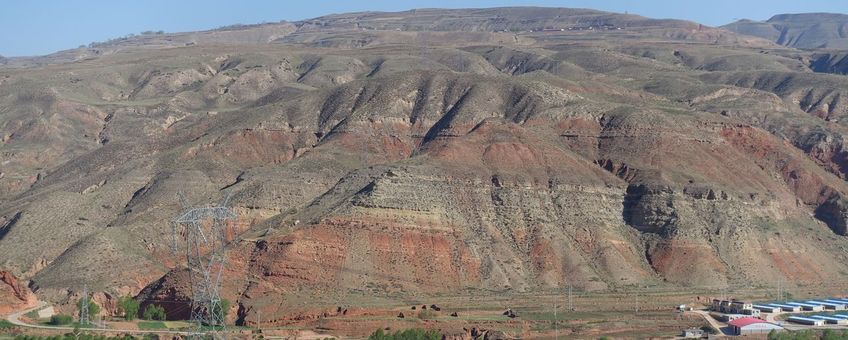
(421, 152)
(804, 30)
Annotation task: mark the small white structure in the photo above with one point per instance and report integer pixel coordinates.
(693, 333)
(727, 317)
(45, 313)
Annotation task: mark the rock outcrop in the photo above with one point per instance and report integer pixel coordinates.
(14, 294)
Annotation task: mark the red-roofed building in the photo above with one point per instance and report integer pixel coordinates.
(744, 326)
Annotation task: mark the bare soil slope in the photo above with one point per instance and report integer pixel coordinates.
(390, 155)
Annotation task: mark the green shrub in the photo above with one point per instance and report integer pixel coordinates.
(33, 314)
(801, 335)
(5, 324)
(407, 334)
(93, 308)
(154, 312)
(61, 319)
(221, 309)
(129, 306)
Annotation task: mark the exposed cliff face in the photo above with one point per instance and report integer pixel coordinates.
(489, 209)
(830, 63)
(834, 212)
(14, 294)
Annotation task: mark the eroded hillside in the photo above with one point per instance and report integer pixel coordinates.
(509, 150)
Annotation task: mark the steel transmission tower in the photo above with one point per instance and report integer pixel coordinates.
(204, 231)
(84, 319)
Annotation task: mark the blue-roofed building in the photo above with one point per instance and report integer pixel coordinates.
(841, 316)
(787, 308)
(807, 306)
(805, 321)
(839, 304)
(767, 308)
(830, 319)
(828, 305)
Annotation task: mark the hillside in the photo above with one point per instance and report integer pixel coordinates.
(399, 155)
(805, 30)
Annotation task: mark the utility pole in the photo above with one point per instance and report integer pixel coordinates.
(365, 143)
(274, 204)
(556, 329)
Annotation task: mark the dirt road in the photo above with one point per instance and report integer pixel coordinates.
(717, 326)
(15, 318)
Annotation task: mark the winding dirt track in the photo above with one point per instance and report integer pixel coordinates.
(718, 327)
(15, 319)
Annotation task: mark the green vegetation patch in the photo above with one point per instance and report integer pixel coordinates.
(827, 334)
(408, 334)
(129, 307)
(152, 325)
(61, 319)
(154, 312)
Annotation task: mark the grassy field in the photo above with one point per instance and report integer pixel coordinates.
(152, 325)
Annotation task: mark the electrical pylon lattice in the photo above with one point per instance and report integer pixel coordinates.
(204, 231)
(84, 317)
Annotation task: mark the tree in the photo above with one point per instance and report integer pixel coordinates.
(221, 309)
(129, 306)
(93, 308)
(154, 312)
(60, 319)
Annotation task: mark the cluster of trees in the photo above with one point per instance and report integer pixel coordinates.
(827, 334)
(408, 334)
(129, 307)
(154, 312)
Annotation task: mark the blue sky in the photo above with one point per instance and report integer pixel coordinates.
(36, 27)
